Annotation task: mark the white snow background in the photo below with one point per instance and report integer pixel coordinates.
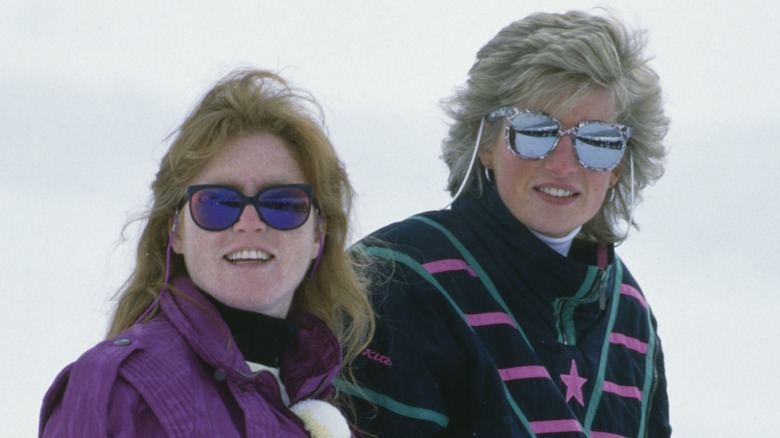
(90, 91)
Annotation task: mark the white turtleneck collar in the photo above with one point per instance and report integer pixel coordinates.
(559, 244)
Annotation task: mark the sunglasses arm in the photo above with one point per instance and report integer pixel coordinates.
(322, 243)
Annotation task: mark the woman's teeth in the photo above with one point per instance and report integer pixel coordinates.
(558, 193)
(248, 255)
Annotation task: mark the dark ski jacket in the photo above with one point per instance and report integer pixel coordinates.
(485, 331)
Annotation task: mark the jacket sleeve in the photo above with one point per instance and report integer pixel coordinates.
(403, 378)
(129, 415)
(396, 393)
(88, 399)
(657, 417)
(658, 422)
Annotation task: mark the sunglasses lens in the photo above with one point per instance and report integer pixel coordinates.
(533, 135)
(215, 209)
(599, 145)
(285, 208)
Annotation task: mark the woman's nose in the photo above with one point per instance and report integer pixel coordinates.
(249, 220)
(563, 159)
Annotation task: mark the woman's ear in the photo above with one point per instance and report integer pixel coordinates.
(486, 158)
(614, 177)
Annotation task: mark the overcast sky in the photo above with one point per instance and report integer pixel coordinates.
(90, 92)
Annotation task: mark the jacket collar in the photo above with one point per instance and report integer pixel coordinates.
(522, 256)
(309, 362)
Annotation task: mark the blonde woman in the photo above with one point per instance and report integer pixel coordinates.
(510, 314)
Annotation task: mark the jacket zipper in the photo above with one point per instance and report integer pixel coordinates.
(561, 328)
(597, 287)
(602, 294)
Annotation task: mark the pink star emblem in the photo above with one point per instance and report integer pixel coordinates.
(574, 384)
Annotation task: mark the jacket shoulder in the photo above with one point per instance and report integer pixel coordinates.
(78, 400)
(422, 236)
(81, 397)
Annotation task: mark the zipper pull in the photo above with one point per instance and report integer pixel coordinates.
(602, 255)
(602, 297)
(602, 280)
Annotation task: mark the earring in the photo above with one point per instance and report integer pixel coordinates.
(489, 175)
(611, 194)
(632, 199)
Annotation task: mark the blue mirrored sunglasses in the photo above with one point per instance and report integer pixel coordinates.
(218, 207)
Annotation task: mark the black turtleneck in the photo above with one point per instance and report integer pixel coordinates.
(260, 338)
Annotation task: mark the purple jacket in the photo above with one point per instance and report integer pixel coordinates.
(181, 375)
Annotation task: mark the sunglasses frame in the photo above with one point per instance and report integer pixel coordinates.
(249, 200)
(509, 113)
